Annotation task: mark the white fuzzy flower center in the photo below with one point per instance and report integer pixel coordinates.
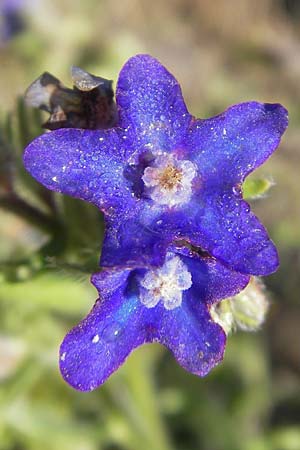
(165, 284)
(168, 181)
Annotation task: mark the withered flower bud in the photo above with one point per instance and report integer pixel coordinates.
(90, 104)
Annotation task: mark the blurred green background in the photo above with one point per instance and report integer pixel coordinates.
(222, 52)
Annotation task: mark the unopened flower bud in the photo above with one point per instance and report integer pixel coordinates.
(246, 311)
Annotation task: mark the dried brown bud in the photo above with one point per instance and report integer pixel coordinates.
(90, 104)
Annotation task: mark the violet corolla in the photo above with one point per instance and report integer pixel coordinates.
(162, 175)
(167, 304)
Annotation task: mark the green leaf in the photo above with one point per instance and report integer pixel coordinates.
(254, 188)
(51, 291)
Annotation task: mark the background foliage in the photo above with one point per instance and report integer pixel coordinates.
(222, 52)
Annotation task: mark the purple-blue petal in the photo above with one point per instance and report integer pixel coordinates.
(224, 226)
(127, 242)
(234, 235)
(226, 149)
(132, 240)
(196, 342)
(151, 105)
(96, 347)
(229, 146)
(212, 281)
(119, 322)
(85, 164)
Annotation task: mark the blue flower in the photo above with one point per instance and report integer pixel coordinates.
(167, 304)
(162, 175)
(11, 20)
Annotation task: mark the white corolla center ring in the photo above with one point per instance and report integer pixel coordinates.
(168, 181)
(165, 284)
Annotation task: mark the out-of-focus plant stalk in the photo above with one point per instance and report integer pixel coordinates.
(32, 215)
(139, 400)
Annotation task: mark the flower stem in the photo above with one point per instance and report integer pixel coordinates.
(32, 215)
(138, 397)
